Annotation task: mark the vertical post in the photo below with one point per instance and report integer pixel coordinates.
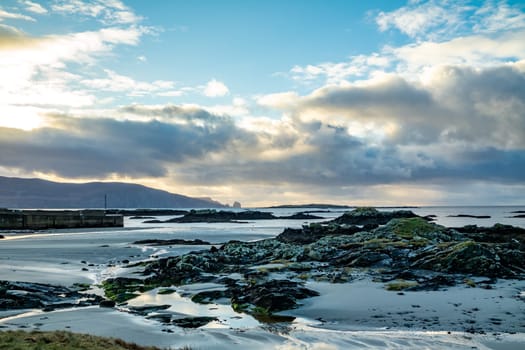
(105, 202)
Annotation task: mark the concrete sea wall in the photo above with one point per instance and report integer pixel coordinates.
(46, 219)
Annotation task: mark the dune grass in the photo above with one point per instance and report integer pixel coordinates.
(61, 340)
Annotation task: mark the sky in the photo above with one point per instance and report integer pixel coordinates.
(269, 102)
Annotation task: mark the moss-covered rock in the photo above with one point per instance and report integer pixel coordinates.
(480, 259)
(417, 230)
(121, 289)
(371, 216)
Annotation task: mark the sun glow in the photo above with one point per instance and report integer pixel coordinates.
(25, 118)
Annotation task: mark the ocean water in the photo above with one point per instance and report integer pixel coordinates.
(444, 214)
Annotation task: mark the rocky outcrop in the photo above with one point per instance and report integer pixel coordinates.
(301, 216)
(211, 215)
(313, 232)
(470, 216)
(222, 216)
(479, 259)
(408, 253)
(371, 216)
(271, 296)
(25, 295)
(496, 234)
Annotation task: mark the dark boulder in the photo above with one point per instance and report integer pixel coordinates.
(371, 216)
(273, 295)
(313, 232)
(144, 310)
(301, 216)
(479, 259)
(107, 303)
(222, 216)
(193, 322)
(366, 258)
(496, 234)
(178, 241)
(26, 295)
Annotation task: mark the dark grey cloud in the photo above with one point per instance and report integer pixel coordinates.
(100, 147)
(461, 104)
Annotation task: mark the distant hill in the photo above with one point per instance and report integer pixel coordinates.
(37, 193)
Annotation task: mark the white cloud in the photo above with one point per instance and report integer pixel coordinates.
(38, 69)
(417, 20)
(215, 88)
(338, 72)
(11, 15)
(171, 93)
(33, 7)
(282, 100)
(142, 58)
(411, 61)
(106, 11)
(476, 51)
(238, 107)
(119, 83)
(501, 16)
(442, 20)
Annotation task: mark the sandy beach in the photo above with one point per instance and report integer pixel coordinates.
(357, 314)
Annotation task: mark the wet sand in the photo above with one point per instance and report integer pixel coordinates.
(355, 315)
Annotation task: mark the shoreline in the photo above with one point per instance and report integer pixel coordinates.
(351, 315)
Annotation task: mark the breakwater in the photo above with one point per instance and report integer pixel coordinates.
(47, 219)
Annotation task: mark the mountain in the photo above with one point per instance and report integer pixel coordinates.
(37, 193)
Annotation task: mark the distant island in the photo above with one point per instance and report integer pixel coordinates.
(313, 205)
(331, 206)
(19, 193)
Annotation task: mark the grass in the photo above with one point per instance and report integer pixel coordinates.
(61, 340)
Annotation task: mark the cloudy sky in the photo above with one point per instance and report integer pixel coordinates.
(269, 102)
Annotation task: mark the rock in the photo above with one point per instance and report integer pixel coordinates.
(479, 259)
(193, 322)
(121, 289)
(207, 297)
(107, 303)
(368, 215)
(434, 283)
(469, 216)
(163, 317)
(25, 295)
(222, 216)
(370, 259)
(416, 230)
(301, 216)
(313, 232)
(161, 242)
(273, 295)
(2, 237)
(147, 309)
(496, 234)
(237, 205)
